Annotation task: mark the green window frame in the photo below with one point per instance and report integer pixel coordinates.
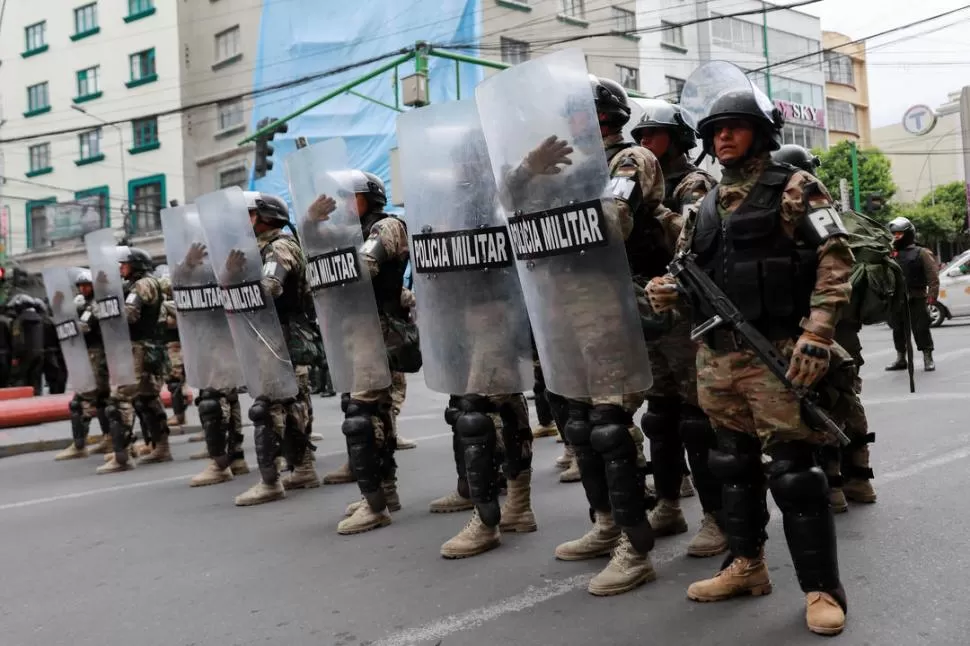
(85, 21)
(35, 38)
(89, 147)
(40, 159)
(144, 135)
(139, 9)
(29, 220)
(146, 199)
(104, 192)
(142, 68)
(38, 99)
(88, 84)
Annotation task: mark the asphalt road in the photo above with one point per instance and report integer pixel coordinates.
(140, 558)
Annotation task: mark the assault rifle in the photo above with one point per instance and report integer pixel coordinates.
(685, 270)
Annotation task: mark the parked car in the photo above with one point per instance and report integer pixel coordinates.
(954, 298)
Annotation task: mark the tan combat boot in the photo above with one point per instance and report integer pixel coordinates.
(709, 540)
(626, 570)
(304, 476)
(197, 437)
(837, 500)
(340, 475)
(260, 493)
(571, 473)
(71, 453)
(161, 453)
(212, 474)
(567, 458)
(823, 614)
(597, 542)
(391, 497)
(449, 504)
(667, 519)
(687, 488)
(544, 430)
(860, 489)
(239, 467)
(363, 519)
(742, 576)
(139, 449)
(103, 445)
(403, 444)
(114, 465)
(201, 455)
(476, 538)
(176, 420)
(517, 514)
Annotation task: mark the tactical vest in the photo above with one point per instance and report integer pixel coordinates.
(646, 250)
(909, 259)
(289, 304)
(390, 279)
(765, 273)
(92, 338)
(146, 327)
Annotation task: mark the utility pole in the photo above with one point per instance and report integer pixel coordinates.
(854, 154)
(764, 42)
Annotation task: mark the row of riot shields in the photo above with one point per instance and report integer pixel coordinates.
(505, 238)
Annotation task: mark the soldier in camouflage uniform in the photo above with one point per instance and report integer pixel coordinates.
(143, 303)
(55, 368)
(370, 416)
(673, 418)
(284, 279)
(771, 238)
(175, 370)
(847, 468)
(89, 405)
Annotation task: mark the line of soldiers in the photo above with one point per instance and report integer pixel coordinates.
(525, 242)
(30, 353)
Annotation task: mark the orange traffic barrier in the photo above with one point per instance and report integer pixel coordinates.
(16, 392)
(46, 408)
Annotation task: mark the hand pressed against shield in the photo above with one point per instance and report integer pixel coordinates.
(545, 158)
(321, 208)
(235, 261)
(195, 255)
(101, 278)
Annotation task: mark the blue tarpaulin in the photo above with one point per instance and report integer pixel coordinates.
(299, 38)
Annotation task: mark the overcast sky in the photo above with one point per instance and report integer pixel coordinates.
(905, 67)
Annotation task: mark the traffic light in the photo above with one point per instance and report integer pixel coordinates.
(264, 150)
(3, 274)
(874, 202)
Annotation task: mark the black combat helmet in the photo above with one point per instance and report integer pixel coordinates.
(270, 208)
(140, 260)
(797, 156)
(661, 114)
(612, 102)
(744, 105)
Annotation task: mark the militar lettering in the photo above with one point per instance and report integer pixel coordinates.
(66, 330)
(197, 299)
(246, 297)
(107, 308)
(333, 268)
(485, 248)
(559, 231)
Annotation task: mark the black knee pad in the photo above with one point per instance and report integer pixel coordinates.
(75, 406)
(514, 438)
(611, 439)
(452, 410)
(559, 406)
(209, 408)
(259, 412)
(477, 434)
(662, 417)
(362, 451)
(736, 457)
(172, 386)
(578, 426)
(344, 402)
(213, 427)
(295, 440)
(661, 425)
(795, 479)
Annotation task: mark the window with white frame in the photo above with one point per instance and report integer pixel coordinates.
(36, 36)
(674, 87)
(671, 34)
(574, 8)
(227, 44)
(230, 114)
(624, 21)
(628, 77)
(89, 81)
(37, 97)
(86, 18)
(40, 157)
(841, 116)
(235, 176)
(514, 51)
(90, 143)
(142, 64)
(804, 136)
(839, 69)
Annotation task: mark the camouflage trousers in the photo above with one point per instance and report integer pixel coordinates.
(301, 411)
(145, 390)
(739, 393)
(673, 362)
(99, 397)
(232, 423)
(175, 372)
(521, 434)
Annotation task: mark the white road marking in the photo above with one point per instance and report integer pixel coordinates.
(534, 595)
(160, 481)
(908, 398)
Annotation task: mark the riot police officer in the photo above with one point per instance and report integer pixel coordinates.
(143, 303)
(175, 369)
(770, 237)
(28, 342)
(923, 282)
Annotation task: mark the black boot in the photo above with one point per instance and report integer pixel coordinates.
(899, 363)
(928, 364)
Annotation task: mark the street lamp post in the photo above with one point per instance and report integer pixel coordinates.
(121, 153)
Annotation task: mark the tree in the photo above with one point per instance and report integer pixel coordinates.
(875, 172)
(934, 222)
(952, 199)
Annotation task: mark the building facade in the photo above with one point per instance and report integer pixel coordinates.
(846, 90)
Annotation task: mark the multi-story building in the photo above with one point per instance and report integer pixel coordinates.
(846, 89)
(99, 113)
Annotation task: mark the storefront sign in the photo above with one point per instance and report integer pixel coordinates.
(801, 114)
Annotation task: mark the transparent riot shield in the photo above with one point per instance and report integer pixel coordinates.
(470, 311)
(256, 331)
(342, 292)
(207, 349)
(109, 307)
(563, 226)
(60, 293)
(715, 80)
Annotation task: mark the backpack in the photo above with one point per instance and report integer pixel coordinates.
(878, 287)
